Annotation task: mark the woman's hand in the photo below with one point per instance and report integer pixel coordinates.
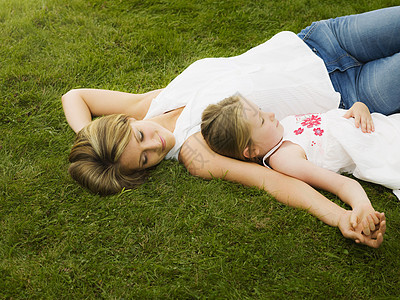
(360, 112)
(374, 240)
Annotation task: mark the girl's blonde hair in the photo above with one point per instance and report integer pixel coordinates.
(225, 129)
(96, 152)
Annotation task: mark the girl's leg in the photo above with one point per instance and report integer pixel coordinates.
(369, 36)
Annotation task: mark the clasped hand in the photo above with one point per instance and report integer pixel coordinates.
(369, 231)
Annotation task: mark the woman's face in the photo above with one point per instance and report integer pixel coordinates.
(149, 144)
(266, 131)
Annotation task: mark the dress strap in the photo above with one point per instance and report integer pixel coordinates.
(270, 152)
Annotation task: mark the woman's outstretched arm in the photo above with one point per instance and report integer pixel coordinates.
(80, 105)
(201, 161)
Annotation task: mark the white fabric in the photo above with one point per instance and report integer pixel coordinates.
(281, 75)
(343, 148)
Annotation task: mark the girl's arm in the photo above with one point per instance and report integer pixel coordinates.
(81, 105)
(201, 161)
(291, 160)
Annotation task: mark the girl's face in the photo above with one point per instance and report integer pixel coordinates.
(149, 144)
(266, 131)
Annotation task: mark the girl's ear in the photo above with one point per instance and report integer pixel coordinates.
(247, 154)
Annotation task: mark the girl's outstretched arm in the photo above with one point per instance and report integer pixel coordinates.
(290, 159)
(80, 105)
(201, 161)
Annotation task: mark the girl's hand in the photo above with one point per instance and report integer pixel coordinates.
(364, 219)
(374, 240)
(360, 112)
(378, 233)
(381, 227)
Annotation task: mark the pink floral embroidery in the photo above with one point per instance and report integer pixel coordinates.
(298, 131)
(312, 121)
(318, 131)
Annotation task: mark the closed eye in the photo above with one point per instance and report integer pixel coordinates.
(261, 118)
(140, 135)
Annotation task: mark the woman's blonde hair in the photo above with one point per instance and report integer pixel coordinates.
(225, 128)
(96, 152)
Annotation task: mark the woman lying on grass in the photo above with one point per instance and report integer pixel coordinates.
(312, 148)
(328, 64)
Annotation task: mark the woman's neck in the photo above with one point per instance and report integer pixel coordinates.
(168, 119)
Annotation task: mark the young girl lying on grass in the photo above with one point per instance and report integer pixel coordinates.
(313, 148)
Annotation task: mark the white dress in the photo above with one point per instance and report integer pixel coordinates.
(281, 75)
(334, 143)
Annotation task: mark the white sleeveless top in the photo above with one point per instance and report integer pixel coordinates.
(281, 75)
(310, 132)
(334, 143)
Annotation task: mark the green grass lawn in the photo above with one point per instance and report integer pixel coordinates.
(176, 236)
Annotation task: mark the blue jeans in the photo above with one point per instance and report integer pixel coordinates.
(362, 56)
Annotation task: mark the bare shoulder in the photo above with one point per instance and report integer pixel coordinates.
(139, 104)
(286, 154)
